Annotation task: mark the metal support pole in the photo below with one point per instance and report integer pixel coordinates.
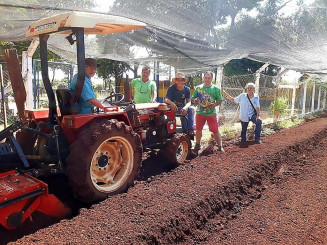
(70, 76)
(3, 104)
(45, 78)
(157, 81)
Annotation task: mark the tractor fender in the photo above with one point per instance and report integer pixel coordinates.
(73, 124)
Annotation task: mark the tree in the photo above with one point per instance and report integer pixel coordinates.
(246, 66)
(112, 68)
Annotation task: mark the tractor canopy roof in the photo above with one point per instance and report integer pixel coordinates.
(93, 23)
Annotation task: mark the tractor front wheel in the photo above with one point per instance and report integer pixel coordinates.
(104, 160)
(178, 149)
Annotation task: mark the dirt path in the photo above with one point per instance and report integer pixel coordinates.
(217, 198)
(292, 208)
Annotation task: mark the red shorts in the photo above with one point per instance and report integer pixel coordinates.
(211, 120)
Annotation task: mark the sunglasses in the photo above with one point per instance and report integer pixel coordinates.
(144, 89)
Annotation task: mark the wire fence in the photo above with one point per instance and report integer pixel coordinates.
(306, 96)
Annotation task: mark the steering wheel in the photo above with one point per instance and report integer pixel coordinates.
(114, 98)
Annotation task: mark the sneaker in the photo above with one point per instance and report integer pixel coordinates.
(196, 148)
(258, 142)
(209, 148)
(211, 145)
(191, 132)
(220, 148)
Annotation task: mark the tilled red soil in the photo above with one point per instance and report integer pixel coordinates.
(269, 193)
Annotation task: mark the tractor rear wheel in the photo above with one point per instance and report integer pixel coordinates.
(104, 160)
(178, 149)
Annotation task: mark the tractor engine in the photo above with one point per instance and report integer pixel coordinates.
(155, 125)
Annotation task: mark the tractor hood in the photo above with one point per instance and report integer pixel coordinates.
(91, 22)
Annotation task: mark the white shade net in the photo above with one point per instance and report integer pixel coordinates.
(191, 35)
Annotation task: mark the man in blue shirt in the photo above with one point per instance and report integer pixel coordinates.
(248, 111)
(88, 99)
(179, 99)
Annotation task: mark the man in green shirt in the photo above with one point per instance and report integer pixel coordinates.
(207, 97)
(143, 89)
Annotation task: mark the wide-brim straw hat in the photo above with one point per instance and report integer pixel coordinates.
(180, 75)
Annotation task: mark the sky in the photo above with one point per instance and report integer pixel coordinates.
(103, 5)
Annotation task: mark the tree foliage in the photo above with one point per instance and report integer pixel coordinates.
(111, 68)
(246, 66)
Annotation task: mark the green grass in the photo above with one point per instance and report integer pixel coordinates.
(290, 123)
(318, 114)
(227, 130)
(267, 131)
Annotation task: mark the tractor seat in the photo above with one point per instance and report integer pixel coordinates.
(65, 98)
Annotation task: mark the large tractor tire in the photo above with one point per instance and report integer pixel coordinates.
(104, 160)
(178, 149)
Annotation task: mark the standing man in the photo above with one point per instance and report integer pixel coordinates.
(249, 111)
(207, 96)
(88, 99)
(179, 99)
(143, 89)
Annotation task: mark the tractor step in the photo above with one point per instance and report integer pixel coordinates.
(21, 195)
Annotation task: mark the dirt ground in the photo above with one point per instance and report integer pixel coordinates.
(273, 193)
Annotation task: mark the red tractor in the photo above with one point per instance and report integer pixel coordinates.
(101, 153)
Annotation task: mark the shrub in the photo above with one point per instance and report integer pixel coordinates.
(278, 107)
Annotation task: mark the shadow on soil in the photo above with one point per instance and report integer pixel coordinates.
(153, 165)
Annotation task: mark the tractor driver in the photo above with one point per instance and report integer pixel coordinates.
(88, 99)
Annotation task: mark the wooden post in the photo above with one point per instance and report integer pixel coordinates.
(27, 73)
(304, 96)
(319, 97)
(219, 80)
(127, 90)
(3, 104)
(278, 77)
(169, 73)
(313, 98)
(219, 77)
(257, 76)
(324, 99)
(293, 97)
